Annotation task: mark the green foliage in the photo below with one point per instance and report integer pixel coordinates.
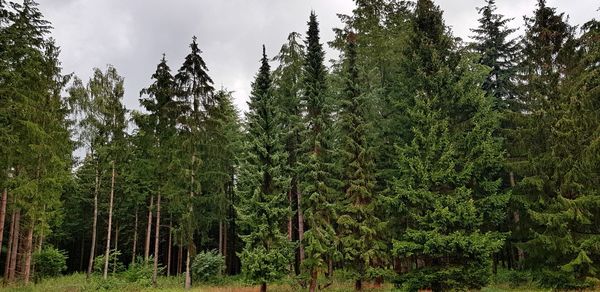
(114, 265)
(207, 266)
(49, 262)
(140, 272)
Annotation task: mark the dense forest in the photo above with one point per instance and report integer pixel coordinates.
(415, 158)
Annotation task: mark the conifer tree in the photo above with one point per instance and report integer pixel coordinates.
(360, 229)
(195, 91)
(496, 51)
(317, 182)
(287, 81)
(547, 58)
(448, 185)
(263, 207)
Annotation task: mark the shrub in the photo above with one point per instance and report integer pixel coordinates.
(50, 262)
(113, 263)
(207, 265)
(140, 272)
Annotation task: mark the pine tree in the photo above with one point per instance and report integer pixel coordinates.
(359, 227)
(317, 183)
(497, 52)
(448, 185)
(263, 208)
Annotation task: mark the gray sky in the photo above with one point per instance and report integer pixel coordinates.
(133, 34)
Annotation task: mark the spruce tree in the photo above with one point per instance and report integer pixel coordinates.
(317, 182)
(360, 229)
(195, 91)
(496, 51)
(287, 81)
(263, 208)
(448, 183)
(547, 57)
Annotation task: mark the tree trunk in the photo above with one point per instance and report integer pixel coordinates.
(156, 241)
(225, 245)
(3, 215)
(188, 278)
(116, 248)
(313, 280)
(135, 236)
(221, 237)
(110, 210)
(179, 259)
(358, 285)
(9, 244)
(148, 230)
(95, 222)
(81, 253)
(289, 223)
(516, 219)
(28, 252)
(263, 287)
(15, 247)
(170, 246)
(300, 228)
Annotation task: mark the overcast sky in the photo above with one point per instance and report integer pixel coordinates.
(133, 34)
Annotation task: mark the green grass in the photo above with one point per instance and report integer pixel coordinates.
(79, 283)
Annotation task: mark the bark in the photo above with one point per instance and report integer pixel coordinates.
(28, 253)
(221, 237)
(156, 241)
(516, 219)
(300, 228)
(148, 230)
(188, 278)
(116, 248)
(263, 287)
(358, 285)
(3, 215)
(225, 244)
(313, 280)
(81, 253)
(110, 211)
(135, 236)
(170, 247)
(179, 259)
(9, 244)
(289, 223)
(95, 222)
(15, 247)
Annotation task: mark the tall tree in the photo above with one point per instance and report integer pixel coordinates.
(317, 182)
(360, 228)
(263, 209)
(195, 90)
(448, 183)
(287, 82)
(496, 51)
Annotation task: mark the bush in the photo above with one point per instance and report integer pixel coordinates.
(113, 263)
(140, 272)
(207, 266)
(50, 262)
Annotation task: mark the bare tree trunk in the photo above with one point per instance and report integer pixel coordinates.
(179, 259)
(3, 215)
(188, 278)
(516, 219)
(110, 211)
(15, 247)
(81, 253)
(95, 222)
(300, 228)
(135, 236)
(116, 247)
(28, 252)
(289, 223)
(170, 246)
(263, 287)
(148, 230)
(156, 241)
(221, 237)
(9, 244)
(225, 244)
(313, 280)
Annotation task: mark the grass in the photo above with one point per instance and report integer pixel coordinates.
(79, 283)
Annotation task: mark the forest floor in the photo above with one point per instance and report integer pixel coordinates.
(78, 283)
